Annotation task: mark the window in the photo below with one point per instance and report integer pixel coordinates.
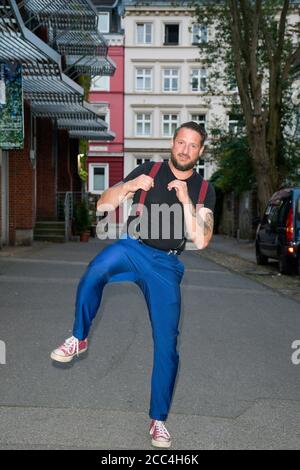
(235, 123)
(232, 85)
(170, 124)
(98, 178)
(199, 34)
(103, 22)
(283, 210)
(297, 127)
(298, 208)
(144, 33)
(143, 79)
(199, 80)
(171, 80)
(103, 113)
(171, 34)
(200, 167)
(100, 83)
(143, 124)
(199, 118)
(140, 161)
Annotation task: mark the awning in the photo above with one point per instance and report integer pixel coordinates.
(19, 44)
(81, 120)
(65, 107)
(82, 43)
(91, 135)
(41, 64)
(45, 80)
(91, 65)
(75, 15)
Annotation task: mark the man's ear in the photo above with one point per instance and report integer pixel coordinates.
(171, 143)
(201, 150)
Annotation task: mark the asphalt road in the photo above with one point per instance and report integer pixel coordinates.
(237, 387)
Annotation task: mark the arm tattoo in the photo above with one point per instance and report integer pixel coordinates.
(208, 224)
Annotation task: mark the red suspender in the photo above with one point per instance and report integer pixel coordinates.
(203, 191)
(154, 170)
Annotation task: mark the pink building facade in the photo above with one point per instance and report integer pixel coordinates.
(106, 159)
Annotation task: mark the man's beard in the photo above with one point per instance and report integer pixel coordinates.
(182, 167)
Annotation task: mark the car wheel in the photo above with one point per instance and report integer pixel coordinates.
(261, 260)
(286, 266)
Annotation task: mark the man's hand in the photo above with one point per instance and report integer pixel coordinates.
(144, 182)
(181, 190)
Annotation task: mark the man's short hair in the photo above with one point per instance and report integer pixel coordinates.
(195, 127)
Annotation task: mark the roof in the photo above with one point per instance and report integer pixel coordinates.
(106, 3)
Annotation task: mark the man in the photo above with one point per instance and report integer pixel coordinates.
(151, 261)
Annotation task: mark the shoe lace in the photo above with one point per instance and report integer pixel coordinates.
(72, 344)
(161, 430)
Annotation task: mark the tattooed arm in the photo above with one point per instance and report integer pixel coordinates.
(199, 224)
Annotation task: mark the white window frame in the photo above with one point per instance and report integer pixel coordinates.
(100, 109)
(92, 166)
(144, 77)
(144, 24)
(103, 14)
(197, 29)
(233, 125)
(170, 122)
(100, 78)
(200, 165)
(202, 122)
(171, 77)
(200, 75)
(143, 158)
(144, 122)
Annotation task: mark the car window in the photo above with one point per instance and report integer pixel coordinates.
(265, 219)
(298, 208)
(283, 209)
(274, 214)
(271, 214)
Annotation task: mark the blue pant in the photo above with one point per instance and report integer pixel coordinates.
(158, 275)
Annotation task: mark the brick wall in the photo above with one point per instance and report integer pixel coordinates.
(64, 177)
(0, 203)
(21, 186)
(46, 189)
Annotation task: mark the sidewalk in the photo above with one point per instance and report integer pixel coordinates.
(243, 248)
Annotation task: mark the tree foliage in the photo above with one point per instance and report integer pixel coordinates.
(255, 44)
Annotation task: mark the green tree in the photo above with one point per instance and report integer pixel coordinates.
(255, 45)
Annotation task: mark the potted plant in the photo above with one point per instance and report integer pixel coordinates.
(82, 221)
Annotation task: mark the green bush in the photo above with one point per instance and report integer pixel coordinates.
(82, 217)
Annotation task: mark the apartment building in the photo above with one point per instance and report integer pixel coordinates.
(106, 158)
(165, 83)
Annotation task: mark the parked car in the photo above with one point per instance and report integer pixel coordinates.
(278, 233)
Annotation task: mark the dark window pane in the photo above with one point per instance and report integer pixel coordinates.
(172, 34)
